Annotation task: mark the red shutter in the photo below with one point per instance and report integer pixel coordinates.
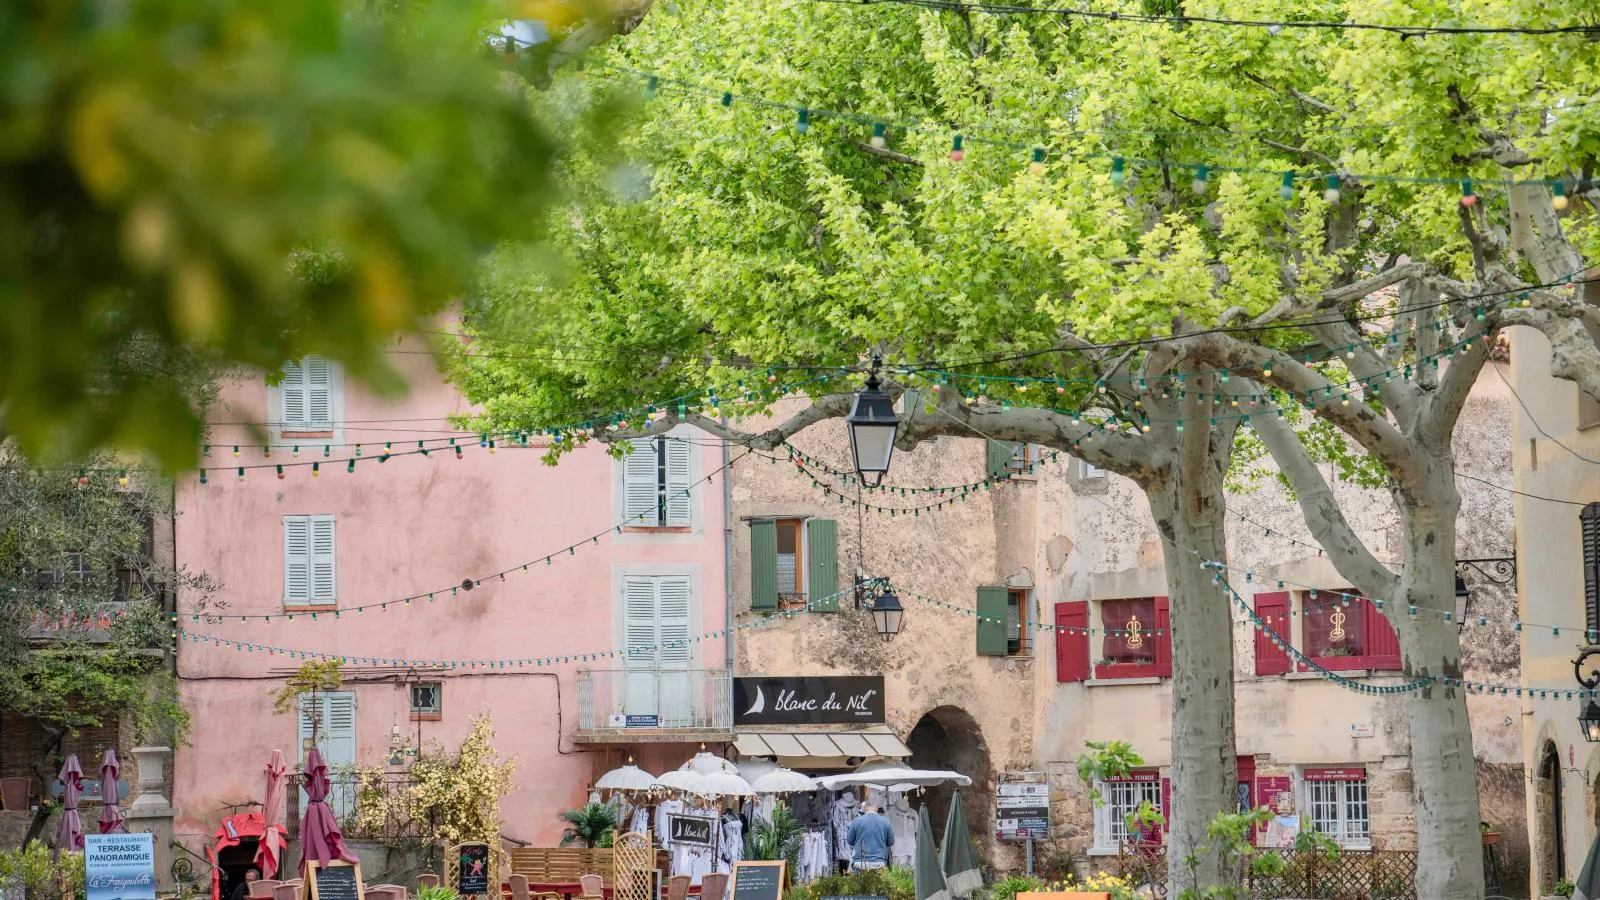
(1163, 639)
(1383, 645)
(1166, 799)
(1274, 610)
(1072, 641)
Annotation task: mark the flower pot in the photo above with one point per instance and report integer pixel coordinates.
(1490, 838)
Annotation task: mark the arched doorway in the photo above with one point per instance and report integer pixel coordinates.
(948, 737)
(1549, 849)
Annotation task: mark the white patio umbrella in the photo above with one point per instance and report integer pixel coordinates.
(714, 784)
(751, 769)
(710, 763)
(627, 778)
(783, 781)
(893, 777)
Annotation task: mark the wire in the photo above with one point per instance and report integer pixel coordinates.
(1404, 31)
(1535, 422)
(1460, 474)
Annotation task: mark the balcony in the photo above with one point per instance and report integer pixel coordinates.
(654, 705)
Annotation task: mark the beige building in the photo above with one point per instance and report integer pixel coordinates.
(1004, 665)
(1555, 451)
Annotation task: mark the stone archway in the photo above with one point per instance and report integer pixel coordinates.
(948, 737)
(1547, 814)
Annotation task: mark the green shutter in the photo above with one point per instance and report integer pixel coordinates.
(763, 565)
(992, 621)
(822, 551)
(910, 403)
(1000, 453)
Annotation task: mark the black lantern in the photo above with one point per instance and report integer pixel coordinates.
(887, 612)
(1462, 594)
(1589, 721)
(873, 423)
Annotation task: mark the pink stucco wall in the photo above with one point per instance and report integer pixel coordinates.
(419, 524)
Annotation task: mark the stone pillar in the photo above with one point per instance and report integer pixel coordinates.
(151, 812)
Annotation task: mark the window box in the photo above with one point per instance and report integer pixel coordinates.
(1136, 643)
(1345, 635)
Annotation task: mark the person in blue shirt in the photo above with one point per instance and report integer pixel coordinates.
(870, 839)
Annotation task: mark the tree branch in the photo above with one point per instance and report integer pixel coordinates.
(1307, 99)
(886, 153)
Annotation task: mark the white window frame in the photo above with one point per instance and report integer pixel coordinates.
(321, 570)
(437, 709)
(333, 433)
(1122, 798)
(1345, 796)
(671, 484)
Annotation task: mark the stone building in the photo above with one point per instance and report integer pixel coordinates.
(993, 676)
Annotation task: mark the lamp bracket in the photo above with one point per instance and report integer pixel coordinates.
(1497, 569)
(1587, 674)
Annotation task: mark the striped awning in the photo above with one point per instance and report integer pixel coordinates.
(820, 745)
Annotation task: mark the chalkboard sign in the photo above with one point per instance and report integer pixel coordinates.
(335, 881)
(473, 877)
(758, 880)
(694, 830)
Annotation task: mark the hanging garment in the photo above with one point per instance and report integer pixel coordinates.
(732, 843)
(844, 812)
(694, 860)
(816, 859)
(641, 820)
(663, 809)
(903, 822)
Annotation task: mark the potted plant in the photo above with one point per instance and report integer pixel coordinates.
(589, 826)
(1490, 836)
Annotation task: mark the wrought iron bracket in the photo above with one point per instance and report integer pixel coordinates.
(1498, 569)
(1589, 678)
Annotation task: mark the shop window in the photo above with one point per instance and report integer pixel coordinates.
(1344, 632)
(1017, 625)
(1122, 798)
(427, 701)
(1136, 643)
(1336, 803)
(794, 562)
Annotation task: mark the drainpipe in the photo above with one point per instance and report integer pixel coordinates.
(727, 553)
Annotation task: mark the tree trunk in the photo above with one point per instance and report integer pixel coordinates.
(1191, 517)
(1449, 848)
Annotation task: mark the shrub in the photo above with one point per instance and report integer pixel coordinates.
(36, 867)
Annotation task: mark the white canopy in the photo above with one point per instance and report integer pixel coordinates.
(627, 778)
(783, 781)
(713, 784)
(709, 763)
(893, 777)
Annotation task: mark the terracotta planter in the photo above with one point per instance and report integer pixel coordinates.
(14, 793)
(1490, 838)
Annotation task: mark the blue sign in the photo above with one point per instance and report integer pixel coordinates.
(643, 721)
(120, 866)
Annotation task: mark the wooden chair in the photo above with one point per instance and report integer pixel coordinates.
(387, 892)
(263, 888)
(713, 886)
(594, 886)
(519, 886)
(426, 880)
(678, 887)
(288, 890)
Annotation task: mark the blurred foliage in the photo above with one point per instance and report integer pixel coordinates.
(42, 873)
(188, 185)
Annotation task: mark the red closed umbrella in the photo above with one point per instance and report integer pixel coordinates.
(69, 836)
(269, 851)
(110, 812)
(320, 838)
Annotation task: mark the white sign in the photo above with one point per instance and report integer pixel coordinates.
(120, 866)
(1361, 729)
(1022, 806)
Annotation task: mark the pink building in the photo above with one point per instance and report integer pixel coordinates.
(610, 649)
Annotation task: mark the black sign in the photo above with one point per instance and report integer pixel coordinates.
(758, 880)
(819, 700)
(333, 882)
(474, 875)
(689, 830)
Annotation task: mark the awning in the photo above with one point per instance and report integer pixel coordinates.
(820, 748)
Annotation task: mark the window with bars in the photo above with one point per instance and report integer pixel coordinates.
(1122, 800)
(1337, 807)
(427, 701)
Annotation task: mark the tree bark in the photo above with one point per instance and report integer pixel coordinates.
(1190, 516)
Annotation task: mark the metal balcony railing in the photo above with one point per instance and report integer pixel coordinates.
(618, 701)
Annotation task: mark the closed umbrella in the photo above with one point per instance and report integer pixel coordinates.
(893, 777)
(925, 867)
(274, 838)
(320, 838)
(959, 862)
(70, 834)
(1588, 885)
(110, 813)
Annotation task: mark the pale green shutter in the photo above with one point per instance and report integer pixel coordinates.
(822, 577)
(992, 621)
(1000, 453)
(763, 565)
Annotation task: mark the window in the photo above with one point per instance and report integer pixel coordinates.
(1123, 797)
(796, 562)
(427, 701)
(308, 562)
(1336, 801)
(327, 721)
(791, 563)
(655, 479)
(1345, 632)
(1017, 622)
(656, 615)
(1589, 519)
(306, 396)
(75, 570)
(1135, 643)
(1010, 458)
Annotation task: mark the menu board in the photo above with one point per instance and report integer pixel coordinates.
(758, 880)
(335, 881)
(473, 877)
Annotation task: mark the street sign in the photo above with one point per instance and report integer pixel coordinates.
(1022, 806)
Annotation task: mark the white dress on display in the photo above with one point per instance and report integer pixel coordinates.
(903, 824)
(844, 813)
(732, 843)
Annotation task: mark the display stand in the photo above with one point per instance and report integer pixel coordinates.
(337, 880)
(632, 864)
(463, 874)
